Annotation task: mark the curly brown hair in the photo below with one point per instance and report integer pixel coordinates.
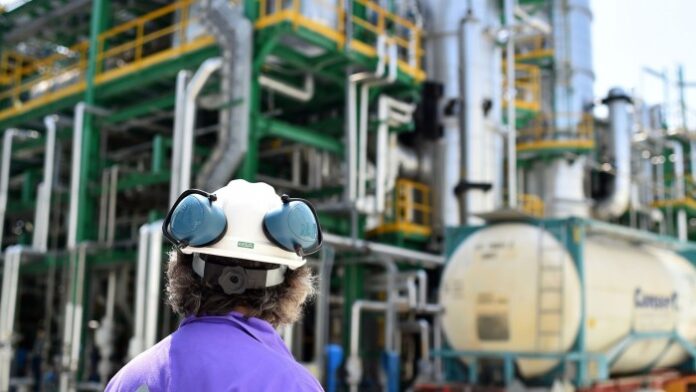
(188, 295)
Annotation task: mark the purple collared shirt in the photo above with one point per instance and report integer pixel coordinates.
(216, 353)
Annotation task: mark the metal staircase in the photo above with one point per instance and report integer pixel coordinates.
(550, 289)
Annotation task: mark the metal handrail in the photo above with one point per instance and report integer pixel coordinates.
(527, 87)
(72, 63)
(377, 22)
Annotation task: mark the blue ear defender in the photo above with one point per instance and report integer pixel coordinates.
(194, 220)
(294, 227)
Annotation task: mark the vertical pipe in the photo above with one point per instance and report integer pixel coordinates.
(75, 173)
(182, 79)
(43, 213)
(153, 283)
(682, 97)
(7, 311)
(136, 343)
(510, 93)
(111, 216)
(321, 325)
(464, 96)
(193, 88)
(5, 175)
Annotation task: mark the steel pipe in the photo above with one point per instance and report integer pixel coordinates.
(679, 187)
(7, 139)
(234, 33)
(43, 207)
(427, 260)
(303, 94)
(182, 79)
(193, 89)
(78, 129)
(617, 202)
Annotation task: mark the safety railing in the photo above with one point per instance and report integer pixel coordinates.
(527, 87)
(142, 38)
(531, 204)
(328, 19)
(408, 210)
(162, 34)
(533, 49)
(561, 131)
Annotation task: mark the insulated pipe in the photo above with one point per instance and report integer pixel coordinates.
(10, 280)
(193, 89)
(43, 208)
(234, 33)
(511, 109)
(617, 202)
(679, 187)
(5, 169)
(153, 282)
(464, 98)
(390, 112)
(136, 342)
(426, 260)
(364, 113)
(78, 129)
(354, 363)
(321, 326)
(692, 160)
(303, 94)
(422, 327)
(352, 136)
(72, 334)
(182, 79)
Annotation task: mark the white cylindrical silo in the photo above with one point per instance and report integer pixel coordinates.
(498, 293)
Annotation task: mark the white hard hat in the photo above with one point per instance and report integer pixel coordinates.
(244, 220)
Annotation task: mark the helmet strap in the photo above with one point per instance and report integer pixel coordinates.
(235, 279)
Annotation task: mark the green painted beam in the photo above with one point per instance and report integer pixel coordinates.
(140, 109)
(274, 128)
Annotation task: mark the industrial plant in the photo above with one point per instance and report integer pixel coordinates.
(491, 221)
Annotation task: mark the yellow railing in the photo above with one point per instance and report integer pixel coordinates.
(329, 20)
(408, 210)
(532, 48)
(123, 49)
(531, 204)
(527, 87)
(563, 130)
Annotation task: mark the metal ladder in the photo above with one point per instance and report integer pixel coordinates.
(550, 289)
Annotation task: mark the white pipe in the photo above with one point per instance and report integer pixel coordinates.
(511, 114)
(617, 202)
(111, 216)
(13, 256)
(303, 94)
(153, 283)
(692, 160)
(182, 79)
(193, 89)
(78, 125)
(679, 187)
(5, 169)
(43, 208)
(390, 112)
(68, 326)
(427, 260)
(369, 81)
(136, 342)
(73, 322)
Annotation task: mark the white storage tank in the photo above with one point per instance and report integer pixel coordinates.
(513, 287)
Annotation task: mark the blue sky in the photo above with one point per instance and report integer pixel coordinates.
(630, 34)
